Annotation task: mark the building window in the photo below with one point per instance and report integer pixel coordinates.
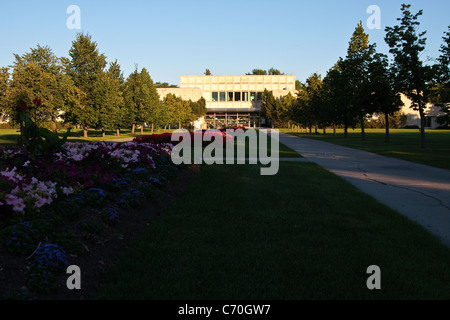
(222, 96)
(230, 96)
(215, 96)
(252, 96)
(244, 96)
(237, 96)
(259, 96)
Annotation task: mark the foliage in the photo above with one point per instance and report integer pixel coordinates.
(271, 71)
(140, 98)
(412, 76)
(85, 69)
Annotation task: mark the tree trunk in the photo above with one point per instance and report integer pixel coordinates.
(422, 127)
(361, 122)
(54, 128)
(103, 132)
(324, 130)
(334, 129)
(165, 127)
(22, 133)
(153, 126)
(142, 129)
(316, 129)
(345, 131)
(85, 132)
(179, 125)
(118, 132)
(133, 127)
(386, 137)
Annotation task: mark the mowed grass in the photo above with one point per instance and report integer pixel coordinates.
(404, 144)
(301, 234)
(11, 136)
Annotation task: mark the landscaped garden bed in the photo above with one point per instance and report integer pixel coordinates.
(78, 205)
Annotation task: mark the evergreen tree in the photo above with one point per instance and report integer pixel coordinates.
(412, 76)
(356, 65)
(86, 69)
(4, 91)
(109, 99)
(337, 98)
(269, 106)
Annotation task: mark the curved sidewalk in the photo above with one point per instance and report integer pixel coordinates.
(417, 191)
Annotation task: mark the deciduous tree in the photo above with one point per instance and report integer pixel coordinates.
(412, 76)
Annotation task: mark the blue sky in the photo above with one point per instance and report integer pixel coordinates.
(177, 37)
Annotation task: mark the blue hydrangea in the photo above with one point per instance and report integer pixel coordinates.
(155, 181)
(22, 236)
(100, 192)
(121, 182)
(140, 170)
(112, 214)
(50, 256)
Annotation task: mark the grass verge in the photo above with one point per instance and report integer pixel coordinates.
(404, 144)
(301, 234)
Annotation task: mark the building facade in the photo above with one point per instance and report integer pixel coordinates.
(431, 112)
(232, 100)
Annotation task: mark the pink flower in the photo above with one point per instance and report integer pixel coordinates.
(40, 203)
(16, 202)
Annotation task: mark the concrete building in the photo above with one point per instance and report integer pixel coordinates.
(413, 116)
(232, 100)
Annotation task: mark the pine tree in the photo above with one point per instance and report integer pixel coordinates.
(356, 64)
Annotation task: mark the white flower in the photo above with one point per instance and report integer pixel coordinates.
(67, 190)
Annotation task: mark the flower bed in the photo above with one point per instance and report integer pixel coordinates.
(207, 137)
(52, 205)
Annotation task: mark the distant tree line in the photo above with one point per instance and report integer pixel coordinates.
(365, 82)
(85, 91)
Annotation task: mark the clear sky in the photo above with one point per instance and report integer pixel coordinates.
(184, 37)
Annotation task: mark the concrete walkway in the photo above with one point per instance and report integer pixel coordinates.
(417, 191)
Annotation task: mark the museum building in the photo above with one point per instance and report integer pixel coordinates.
(231, 100)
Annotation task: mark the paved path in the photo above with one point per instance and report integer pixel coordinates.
(419, 192)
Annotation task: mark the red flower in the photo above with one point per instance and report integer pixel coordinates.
(21, 106)
(37, 102)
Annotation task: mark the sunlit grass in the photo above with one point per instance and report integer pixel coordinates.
(403, 144)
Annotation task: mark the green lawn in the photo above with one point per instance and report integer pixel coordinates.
(10, 136)
(403, 144)
(301, 234)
